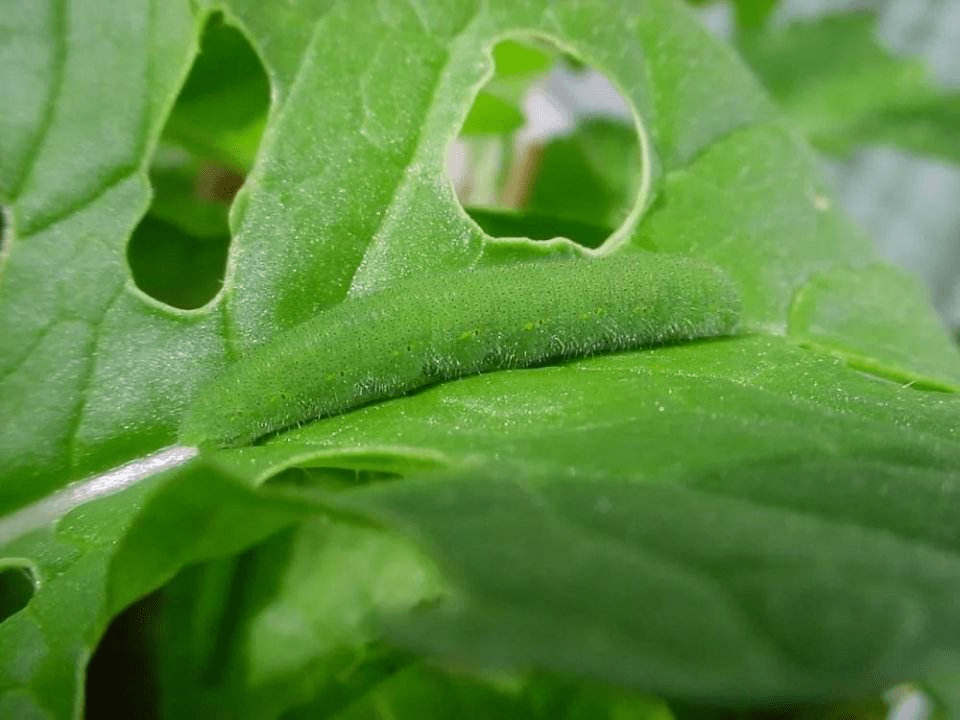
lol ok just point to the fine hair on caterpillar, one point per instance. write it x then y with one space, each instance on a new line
434 328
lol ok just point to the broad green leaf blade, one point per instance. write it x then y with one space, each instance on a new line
64 177
822 314
777 208
639 416
102 555
314 226
30 63
731 522
88 367
197 514
678 589
45 646
767 226
843 89
309 628
346 195
747 234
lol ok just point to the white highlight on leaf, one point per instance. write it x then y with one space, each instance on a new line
53 507
907 703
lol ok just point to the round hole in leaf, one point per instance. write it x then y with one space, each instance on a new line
178 253
548 149
17 586
175 267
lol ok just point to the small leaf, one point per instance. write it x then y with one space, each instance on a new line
310 631
490 114
221 110
512 57
865 333
592 176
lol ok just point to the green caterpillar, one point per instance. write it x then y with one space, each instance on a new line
440 327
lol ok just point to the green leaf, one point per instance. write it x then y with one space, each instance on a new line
844 90
750 14
176 200
100 556
819 316
303 240
76 341
308 629
720 454
593 176
227 75
491 115
732 522
513 58
496 109
634 416
45 645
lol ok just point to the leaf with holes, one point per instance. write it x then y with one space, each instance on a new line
733 521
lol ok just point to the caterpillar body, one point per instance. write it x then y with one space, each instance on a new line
430 329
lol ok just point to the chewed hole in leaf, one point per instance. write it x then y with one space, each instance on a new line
178 253
548 149
17 586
